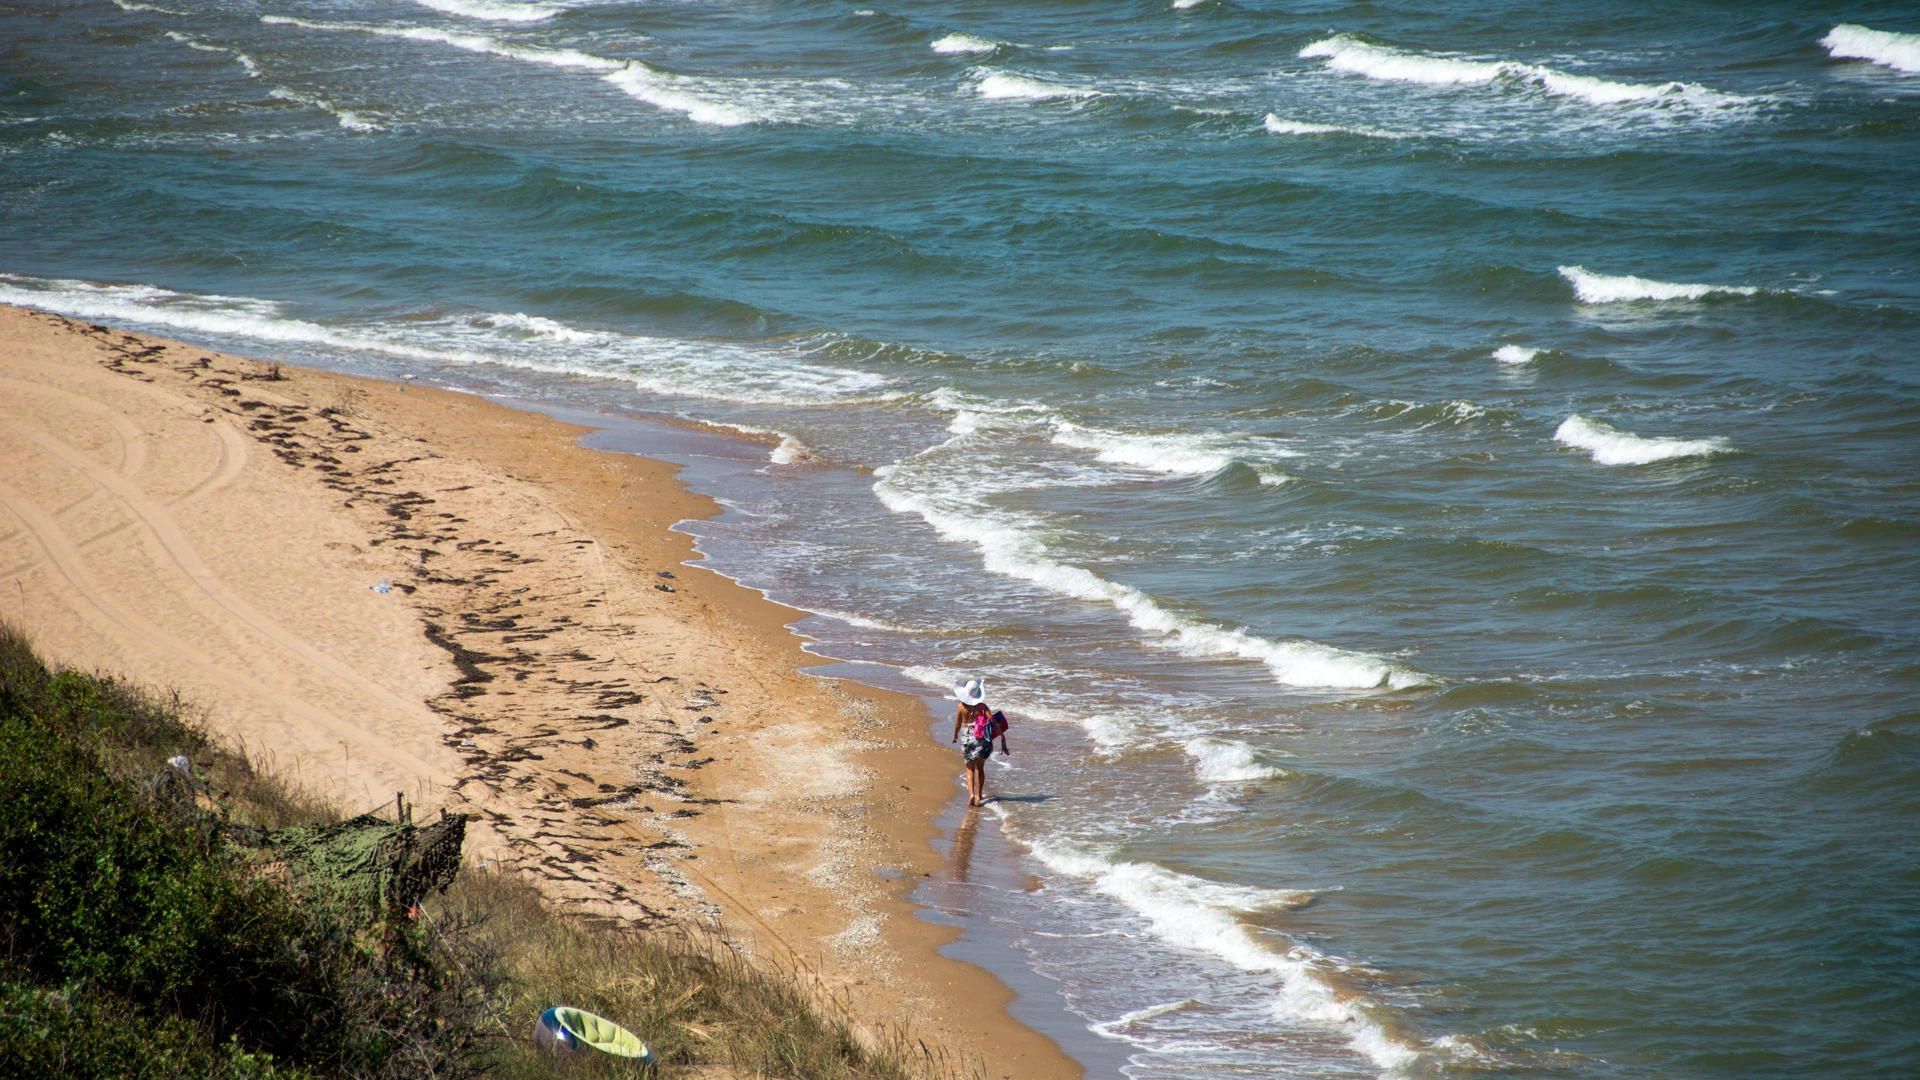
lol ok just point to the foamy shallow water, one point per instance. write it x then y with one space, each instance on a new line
1435 489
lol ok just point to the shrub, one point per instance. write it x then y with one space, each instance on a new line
127 918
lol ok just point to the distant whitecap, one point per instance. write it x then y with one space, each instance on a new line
1849 41
492 10
1278 126
1345 53
1006 86
1608 445
962 44
1592 288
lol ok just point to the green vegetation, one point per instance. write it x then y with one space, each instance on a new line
143 935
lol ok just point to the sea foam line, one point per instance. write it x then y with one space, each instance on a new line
1178 454
347 118
1200 916
245 61
1274 125
1592 288
478 43
1007 86
492 10
1851 41
693 96
714 370
703 100
1010 545
1197 915
1349 54
1608 445
960 44
787 449
1217 761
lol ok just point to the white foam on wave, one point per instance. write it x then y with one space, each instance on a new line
1116 1028
492 10
958 44
1851 41
1006 86
720 102
1182 5
704 101
245 61
787 450
1515 354
1274 125
1198 915
1608 445
1219 762
1178 454
863 621
127 5
714 370
1011 544
1356 57
478 43
1592 288
538 327
1353 56
346 118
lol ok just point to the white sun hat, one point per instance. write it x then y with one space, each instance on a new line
971 692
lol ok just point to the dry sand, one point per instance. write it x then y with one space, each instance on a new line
639 744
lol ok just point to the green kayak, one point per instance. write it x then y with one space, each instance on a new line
577 1030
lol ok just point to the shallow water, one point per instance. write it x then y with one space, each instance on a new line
1435 486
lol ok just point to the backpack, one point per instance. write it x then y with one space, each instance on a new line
988 725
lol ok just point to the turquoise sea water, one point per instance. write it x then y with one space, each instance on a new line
1435 483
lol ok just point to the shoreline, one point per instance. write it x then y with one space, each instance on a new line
204 521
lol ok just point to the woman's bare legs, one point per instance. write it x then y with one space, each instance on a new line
976 783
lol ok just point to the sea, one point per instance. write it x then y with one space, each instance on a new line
1436 486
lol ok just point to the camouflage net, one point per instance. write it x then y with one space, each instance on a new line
388 866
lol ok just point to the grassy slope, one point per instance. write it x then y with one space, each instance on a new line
134 941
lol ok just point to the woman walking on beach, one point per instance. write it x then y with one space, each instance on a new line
980 724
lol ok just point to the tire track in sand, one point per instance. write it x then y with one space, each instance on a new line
64 555
160 525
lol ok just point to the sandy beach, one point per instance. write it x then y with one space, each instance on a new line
389 590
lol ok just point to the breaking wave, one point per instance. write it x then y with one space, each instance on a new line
1592 288
1515 354
1217 762
347 118
1608 445
1006 86
245 61
1011 544
1276 126
1349 54
492 10
1849 41
1199 915
695 97
478 43
963 44
720 102
1180 454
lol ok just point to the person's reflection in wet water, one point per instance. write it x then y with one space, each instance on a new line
963 845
